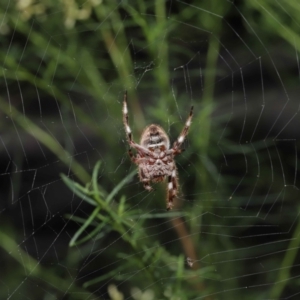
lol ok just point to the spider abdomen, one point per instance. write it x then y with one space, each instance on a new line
154 137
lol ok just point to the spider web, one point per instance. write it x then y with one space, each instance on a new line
234 232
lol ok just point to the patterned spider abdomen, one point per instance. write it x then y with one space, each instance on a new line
159 164
155 138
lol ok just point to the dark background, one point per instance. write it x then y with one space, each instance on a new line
234 232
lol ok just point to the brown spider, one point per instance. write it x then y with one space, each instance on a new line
154 158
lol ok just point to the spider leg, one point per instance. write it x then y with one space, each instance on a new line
130 140
132 157
147 185
125 119
172 189
135 159
145 180
142 150
178 151
183 134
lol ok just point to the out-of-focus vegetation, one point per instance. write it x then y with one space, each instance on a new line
65 67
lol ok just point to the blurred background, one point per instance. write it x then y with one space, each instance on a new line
75 221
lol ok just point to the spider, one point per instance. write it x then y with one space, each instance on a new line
154 157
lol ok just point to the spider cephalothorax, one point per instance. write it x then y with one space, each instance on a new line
154 158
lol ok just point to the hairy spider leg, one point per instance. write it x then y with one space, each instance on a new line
145 180
139 148
125 119
172 189
183 134
132 157
131 142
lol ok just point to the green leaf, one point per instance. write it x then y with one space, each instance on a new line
78 190
84 226
120 185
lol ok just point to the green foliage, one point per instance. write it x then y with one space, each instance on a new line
140 252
